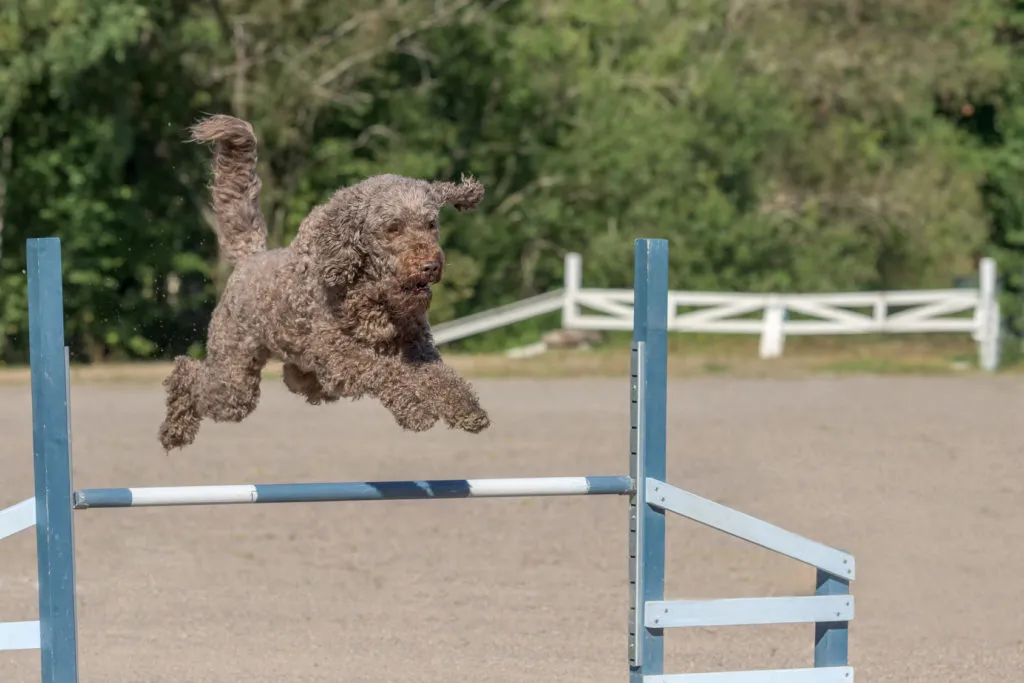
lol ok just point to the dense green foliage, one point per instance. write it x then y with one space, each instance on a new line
795 145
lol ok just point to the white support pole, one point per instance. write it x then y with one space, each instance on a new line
18 518
989 323
803 609
19 635
773 335
572 285
834 674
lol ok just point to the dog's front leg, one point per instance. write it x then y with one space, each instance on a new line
354 371
455 400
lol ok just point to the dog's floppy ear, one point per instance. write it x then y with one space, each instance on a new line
338 262
336 247
464 195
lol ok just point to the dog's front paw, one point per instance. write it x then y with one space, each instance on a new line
474 421
463 411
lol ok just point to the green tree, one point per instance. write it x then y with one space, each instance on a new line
91 122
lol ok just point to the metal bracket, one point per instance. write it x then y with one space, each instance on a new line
636 500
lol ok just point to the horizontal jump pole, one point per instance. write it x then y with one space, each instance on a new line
85 499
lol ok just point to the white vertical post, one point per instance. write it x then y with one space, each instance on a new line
773 335
989 324
573 283
880 311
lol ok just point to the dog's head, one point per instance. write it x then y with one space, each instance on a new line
382 236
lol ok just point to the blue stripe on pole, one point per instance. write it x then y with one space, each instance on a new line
362 490
102 498
52 463
650 326
610 485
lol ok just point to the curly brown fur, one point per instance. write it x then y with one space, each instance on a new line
344 305
241 229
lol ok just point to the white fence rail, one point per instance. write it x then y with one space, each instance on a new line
973 311
498 317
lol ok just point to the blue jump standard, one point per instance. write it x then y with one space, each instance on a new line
352 491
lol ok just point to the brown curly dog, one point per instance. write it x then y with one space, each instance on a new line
344 306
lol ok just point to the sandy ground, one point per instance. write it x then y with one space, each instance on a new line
920 478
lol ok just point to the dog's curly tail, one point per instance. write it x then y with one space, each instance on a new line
241 228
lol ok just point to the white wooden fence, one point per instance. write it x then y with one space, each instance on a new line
772 316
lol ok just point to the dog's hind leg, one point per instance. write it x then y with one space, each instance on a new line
181 423
220 388
229 386
224 387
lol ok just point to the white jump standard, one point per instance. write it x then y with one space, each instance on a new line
55 634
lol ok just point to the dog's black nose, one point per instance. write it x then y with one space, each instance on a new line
431 268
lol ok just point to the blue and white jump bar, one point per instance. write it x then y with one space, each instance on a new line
352 491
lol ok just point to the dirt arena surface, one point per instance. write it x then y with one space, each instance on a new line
919 477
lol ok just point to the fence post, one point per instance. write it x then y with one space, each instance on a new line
573 283
988 301
648 418
773 335
52 463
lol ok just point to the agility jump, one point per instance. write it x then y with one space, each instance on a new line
55 632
